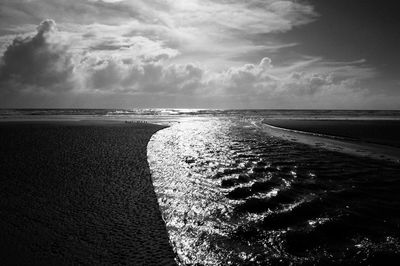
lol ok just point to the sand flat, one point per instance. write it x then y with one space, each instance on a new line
384 131
315 136
79 193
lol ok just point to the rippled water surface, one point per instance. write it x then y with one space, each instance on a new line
231 194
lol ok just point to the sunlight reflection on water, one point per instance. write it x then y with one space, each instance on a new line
230 194
191 150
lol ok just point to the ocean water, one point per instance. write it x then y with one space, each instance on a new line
173 114
230 194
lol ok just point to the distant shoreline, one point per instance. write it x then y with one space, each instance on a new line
312 132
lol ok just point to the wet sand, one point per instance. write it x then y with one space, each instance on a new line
79 193
386 132
373 139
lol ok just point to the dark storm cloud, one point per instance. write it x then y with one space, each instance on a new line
40 60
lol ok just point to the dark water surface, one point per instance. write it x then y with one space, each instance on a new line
231 194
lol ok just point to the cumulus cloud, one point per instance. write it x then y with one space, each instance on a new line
138 67
141 77
47 62
306 84
213 30
41 60
247 79
263 84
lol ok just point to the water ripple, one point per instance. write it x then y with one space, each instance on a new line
229 193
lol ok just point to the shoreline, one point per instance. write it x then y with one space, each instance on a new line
79 192
384 132
71 121
334 143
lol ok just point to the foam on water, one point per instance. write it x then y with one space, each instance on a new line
229 193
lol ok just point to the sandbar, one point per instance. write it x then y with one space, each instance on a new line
79 192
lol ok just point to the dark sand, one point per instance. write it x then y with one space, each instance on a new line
373 139
386 132
79 193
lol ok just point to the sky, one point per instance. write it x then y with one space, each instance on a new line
268 54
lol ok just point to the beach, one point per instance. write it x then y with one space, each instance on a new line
377 139
79 192
205 190
384 132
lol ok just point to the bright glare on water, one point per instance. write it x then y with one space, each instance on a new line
231 194
193 206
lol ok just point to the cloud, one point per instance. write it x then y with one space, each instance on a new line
141 77
140 67
215 31
307 85
199 51
48 62
75 11
41 60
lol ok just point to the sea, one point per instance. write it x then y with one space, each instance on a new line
230 194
